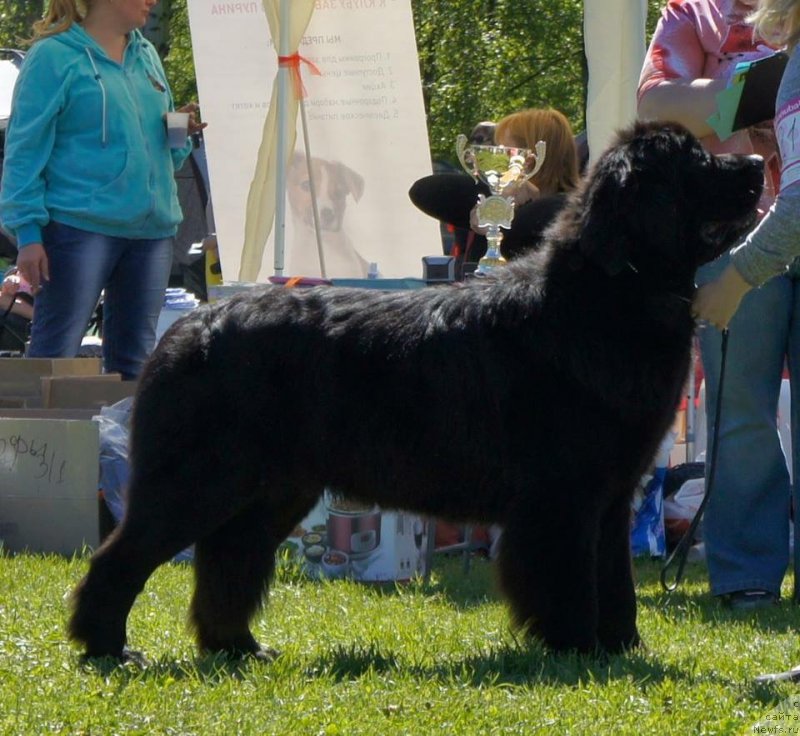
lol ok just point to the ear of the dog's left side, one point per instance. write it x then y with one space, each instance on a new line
353 181
602 240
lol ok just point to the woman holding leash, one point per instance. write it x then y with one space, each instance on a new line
695 48
88 184
773 245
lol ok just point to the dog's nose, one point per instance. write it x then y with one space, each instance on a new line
328 216
756 159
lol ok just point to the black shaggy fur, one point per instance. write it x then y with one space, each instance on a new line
535 400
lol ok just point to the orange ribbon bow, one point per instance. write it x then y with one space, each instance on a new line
293 63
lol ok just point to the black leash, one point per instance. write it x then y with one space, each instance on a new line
681 552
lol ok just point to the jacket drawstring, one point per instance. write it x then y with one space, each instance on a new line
99 79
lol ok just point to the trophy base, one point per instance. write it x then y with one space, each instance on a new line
489 263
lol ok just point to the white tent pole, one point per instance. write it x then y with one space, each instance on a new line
614 40
282 135
312 189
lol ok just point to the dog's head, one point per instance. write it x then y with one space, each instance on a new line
657 200
333 183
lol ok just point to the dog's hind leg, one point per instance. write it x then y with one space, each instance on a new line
616 629
233 567
547 573
117 573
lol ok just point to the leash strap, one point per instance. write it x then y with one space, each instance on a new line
4 326
681 552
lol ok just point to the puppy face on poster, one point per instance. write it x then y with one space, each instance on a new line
337 188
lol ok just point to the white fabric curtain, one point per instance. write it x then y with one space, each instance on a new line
614 33
261 200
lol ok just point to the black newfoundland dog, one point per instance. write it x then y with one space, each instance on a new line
535 399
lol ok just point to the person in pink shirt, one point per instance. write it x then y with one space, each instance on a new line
693 52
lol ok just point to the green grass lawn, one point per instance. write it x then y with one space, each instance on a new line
435 658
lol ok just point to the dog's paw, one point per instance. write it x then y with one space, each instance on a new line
266 654
104 662
623 645
132 657
259 653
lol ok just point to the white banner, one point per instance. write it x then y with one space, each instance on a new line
614 32
366 127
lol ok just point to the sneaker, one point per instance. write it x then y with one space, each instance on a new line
747 600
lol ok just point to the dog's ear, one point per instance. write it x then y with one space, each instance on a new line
354 182
604 239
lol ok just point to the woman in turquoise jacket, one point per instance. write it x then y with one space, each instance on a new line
88 184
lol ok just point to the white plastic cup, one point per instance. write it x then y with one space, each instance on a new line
177 129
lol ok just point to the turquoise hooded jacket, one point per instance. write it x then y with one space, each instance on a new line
86 144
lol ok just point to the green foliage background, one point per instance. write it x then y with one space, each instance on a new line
496 57
479 59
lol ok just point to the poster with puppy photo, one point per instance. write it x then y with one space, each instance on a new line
366 132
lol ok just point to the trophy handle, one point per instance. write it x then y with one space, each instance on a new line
461 150
541 150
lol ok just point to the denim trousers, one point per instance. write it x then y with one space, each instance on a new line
132 275
746 522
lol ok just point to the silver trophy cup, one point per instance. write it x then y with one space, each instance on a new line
498 167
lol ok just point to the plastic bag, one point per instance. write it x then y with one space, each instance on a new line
681 507
114 470
114 467
647 526
647 529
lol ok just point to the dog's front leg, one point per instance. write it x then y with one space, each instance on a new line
616 630
547 571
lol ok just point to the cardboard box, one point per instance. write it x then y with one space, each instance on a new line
368 544
22 377
26 413
84 392
12 402
49 470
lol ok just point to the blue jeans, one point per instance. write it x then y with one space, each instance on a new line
134 275
746 523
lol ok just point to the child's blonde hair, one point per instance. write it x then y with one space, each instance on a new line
778 22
